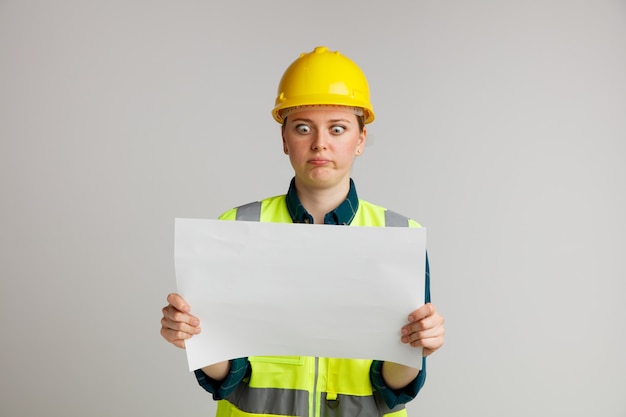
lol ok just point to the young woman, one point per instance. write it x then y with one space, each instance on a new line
323 106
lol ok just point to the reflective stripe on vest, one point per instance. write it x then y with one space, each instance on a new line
291 402
250 212
277 401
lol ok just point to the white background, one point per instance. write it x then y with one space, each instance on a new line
500 127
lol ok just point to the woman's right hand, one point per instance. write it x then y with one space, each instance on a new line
177 325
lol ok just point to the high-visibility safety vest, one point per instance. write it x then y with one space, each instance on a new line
274 209
308 386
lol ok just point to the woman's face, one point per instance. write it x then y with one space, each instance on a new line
322 144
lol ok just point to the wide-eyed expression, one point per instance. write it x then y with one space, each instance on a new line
322 144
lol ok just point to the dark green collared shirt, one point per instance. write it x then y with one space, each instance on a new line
342 214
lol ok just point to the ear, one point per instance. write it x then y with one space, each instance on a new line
361 142
285 149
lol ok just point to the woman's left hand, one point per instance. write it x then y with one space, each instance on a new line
425 329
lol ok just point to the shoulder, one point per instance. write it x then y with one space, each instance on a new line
254 208
370 214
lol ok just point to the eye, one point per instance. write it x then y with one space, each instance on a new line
304 129
337 130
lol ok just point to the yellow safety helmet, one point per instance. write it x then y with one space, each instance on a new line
323 77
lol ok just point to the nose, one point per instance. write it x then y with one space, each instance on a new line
320 142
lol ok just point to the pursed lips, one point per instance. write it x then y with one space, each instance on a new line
318 161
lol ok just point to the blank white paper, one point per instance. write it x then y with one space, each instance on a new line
274 289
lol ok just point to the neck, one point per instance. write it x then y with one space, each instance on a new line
319 201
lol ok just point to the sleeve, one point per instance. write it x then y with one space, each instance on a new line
239 368
402 396
393 397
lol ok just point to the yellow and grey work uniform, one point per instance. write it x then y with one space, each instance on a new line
312 386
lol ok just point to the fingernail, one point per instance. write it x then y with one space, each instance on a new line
404 331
